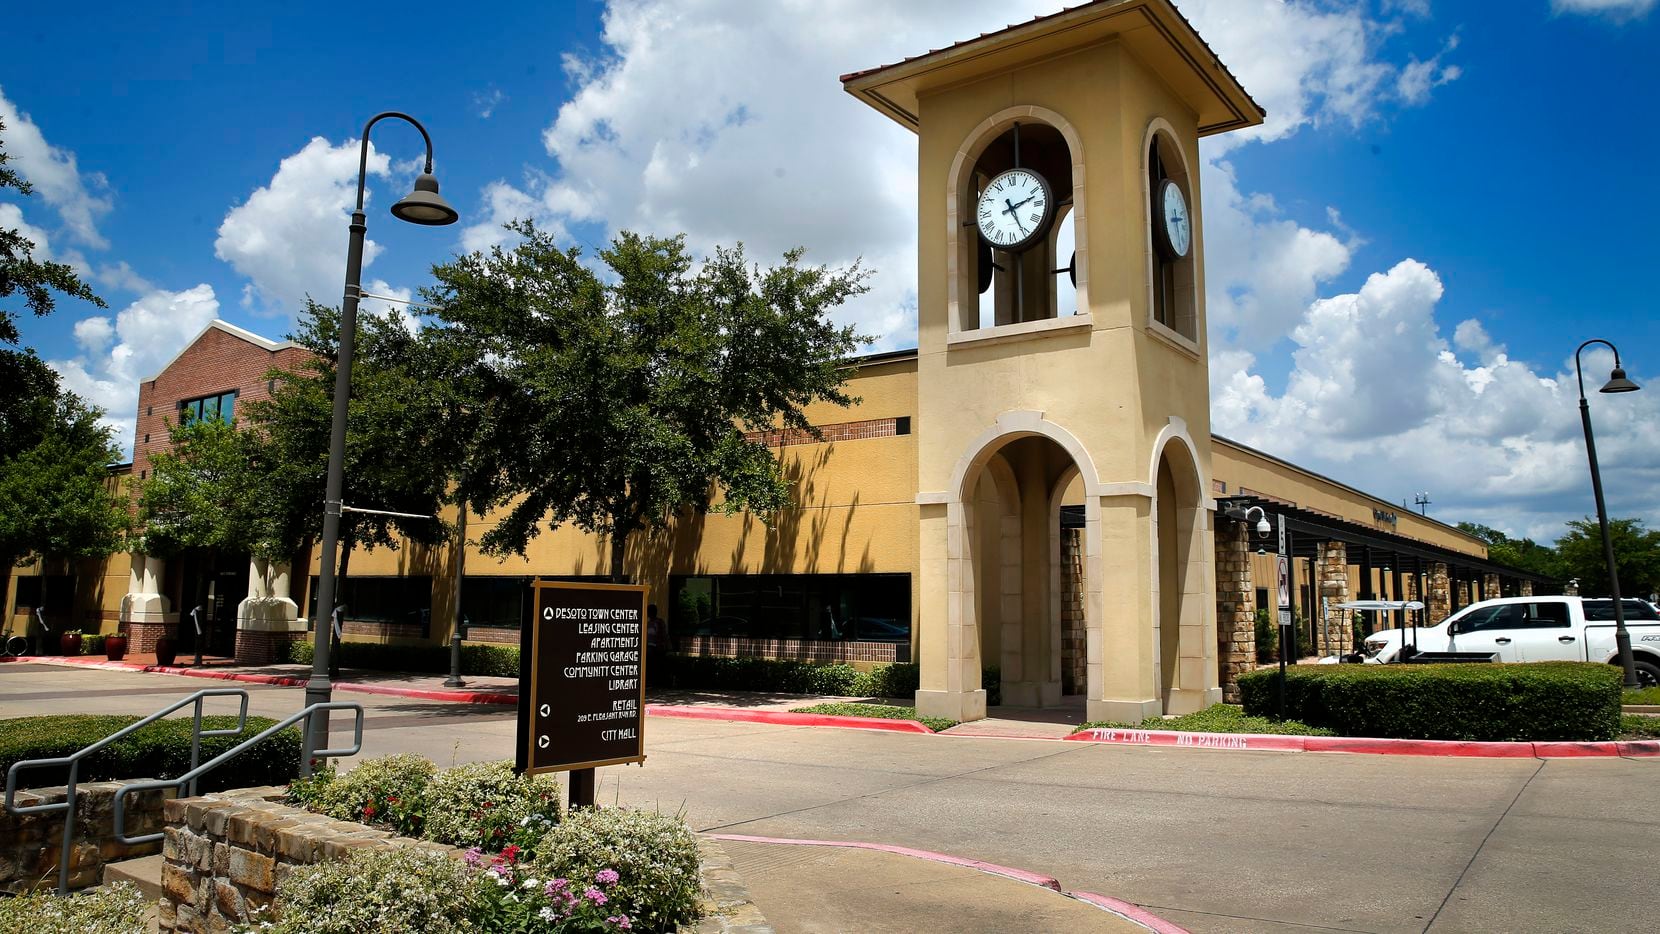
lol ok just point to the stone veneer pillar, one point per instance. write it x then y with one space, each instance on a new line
145 614
268 619
1490 587
1439 605
1074 631
1526 588
1236 609
1337 634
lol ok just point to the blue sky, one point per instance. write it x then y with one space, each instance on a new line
1399 264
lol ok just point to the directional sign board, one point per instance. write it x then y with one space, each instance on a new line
583 678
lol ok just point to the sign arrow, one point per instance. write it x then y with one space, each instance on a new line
546 710
542 741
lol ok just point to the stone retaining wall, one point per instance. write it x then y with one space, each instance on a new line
226 854
31 844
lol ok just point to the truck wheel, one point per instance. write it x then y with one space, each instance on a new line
1648 673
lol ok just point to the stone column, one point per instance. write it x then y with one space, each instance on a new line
1526 588
146 615
1336 635
1074 632
1490 586
1123 660
1236 599
948 619
269 618
1439 605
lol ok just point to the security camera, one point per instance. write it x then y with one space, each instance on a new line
1263 528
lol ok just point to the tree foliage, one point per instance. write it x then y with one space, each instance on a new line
614 398
56 495
1523 553
1636 555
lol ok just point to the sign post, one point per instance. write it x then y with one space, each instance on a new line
1282 565
582 693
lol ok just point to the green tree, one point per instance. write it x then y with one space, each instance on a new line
1523 553
1636 555
614 399
56 495
204 493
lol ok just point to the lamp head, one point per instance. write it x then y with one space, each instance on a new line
1618 383
424 206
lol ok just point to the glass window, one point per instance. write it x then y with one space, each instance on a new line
406 600
52 592
221 406
1549 615
498 602
821 607
1602 611
1503 616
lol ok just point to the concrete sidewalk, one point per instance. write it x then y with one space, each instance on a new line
829 890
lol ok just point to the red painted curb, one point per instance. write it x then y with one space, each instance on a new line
1368 745
459 697
1129 912
1418 747
1018 875
1133 737
786 718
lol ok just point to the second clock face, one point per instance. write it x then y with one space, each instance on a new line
1013 209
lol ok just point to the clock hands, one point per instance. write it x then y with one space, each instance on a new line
1010 211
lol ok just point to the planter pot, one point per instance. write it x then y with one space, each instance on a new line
167 651
115 648
70 644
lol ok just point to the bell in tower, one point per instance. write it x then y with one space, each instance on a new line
1063 416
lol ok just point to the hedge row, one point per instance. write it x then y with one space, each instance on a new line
1540 701
476 659
160 750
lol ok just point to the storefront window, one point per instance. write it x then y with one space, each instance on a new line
405 600
819 607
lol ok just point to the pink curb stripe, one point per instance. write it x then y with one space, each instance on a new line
460 697
1369 746
1129 912
1018 875
786 718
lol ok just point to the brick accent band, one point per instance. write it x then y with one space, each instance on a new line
841 431
803 650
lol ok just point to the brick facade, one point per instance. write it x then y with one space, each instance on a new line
1236 607
840 431
263 647
143 636
803 650
222 358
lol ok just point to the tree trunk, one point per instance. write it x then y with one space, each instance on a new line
619 545
339 592
6 605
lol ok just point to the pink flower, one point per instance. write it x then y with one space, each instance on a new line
473 857
621 921
606 877
555 887
595 895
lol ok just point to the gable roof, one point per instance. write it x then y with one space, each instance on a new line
262 343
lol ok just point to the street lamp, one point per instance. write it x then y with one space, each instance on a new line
1616 383
421 206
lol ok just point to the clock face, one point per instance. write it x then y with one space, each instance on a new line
1175 224
1014 209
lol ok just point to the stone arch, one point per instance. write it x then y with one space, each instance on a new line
1184 613
1187 330
959 247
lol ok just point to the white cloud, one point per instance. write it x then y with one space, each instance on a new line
144 336
11 218
486 102
399 309
1617 10
1377 397
80 200
289 237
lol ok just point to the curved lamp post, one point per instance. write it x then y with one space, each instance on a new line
1616 383
421 206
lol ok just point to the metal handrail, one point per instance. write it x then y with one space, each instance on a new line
67 805
307 754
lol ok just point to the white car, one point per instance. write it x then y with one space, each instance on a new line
1535 629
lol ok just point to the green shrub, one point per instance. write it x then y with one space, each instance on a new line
1267 638
476 659
390 791
92 645
487 805
1641 696
654 855
392 889
116 908
1540 701
1639 726
897 680
160 750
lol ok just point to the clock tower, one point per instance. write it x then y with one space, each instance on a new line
1062 376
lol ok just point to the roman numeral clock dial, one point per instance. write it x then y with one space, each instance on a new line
1014 209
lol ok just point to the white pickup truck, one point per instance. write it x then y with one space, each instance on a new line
1535 629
